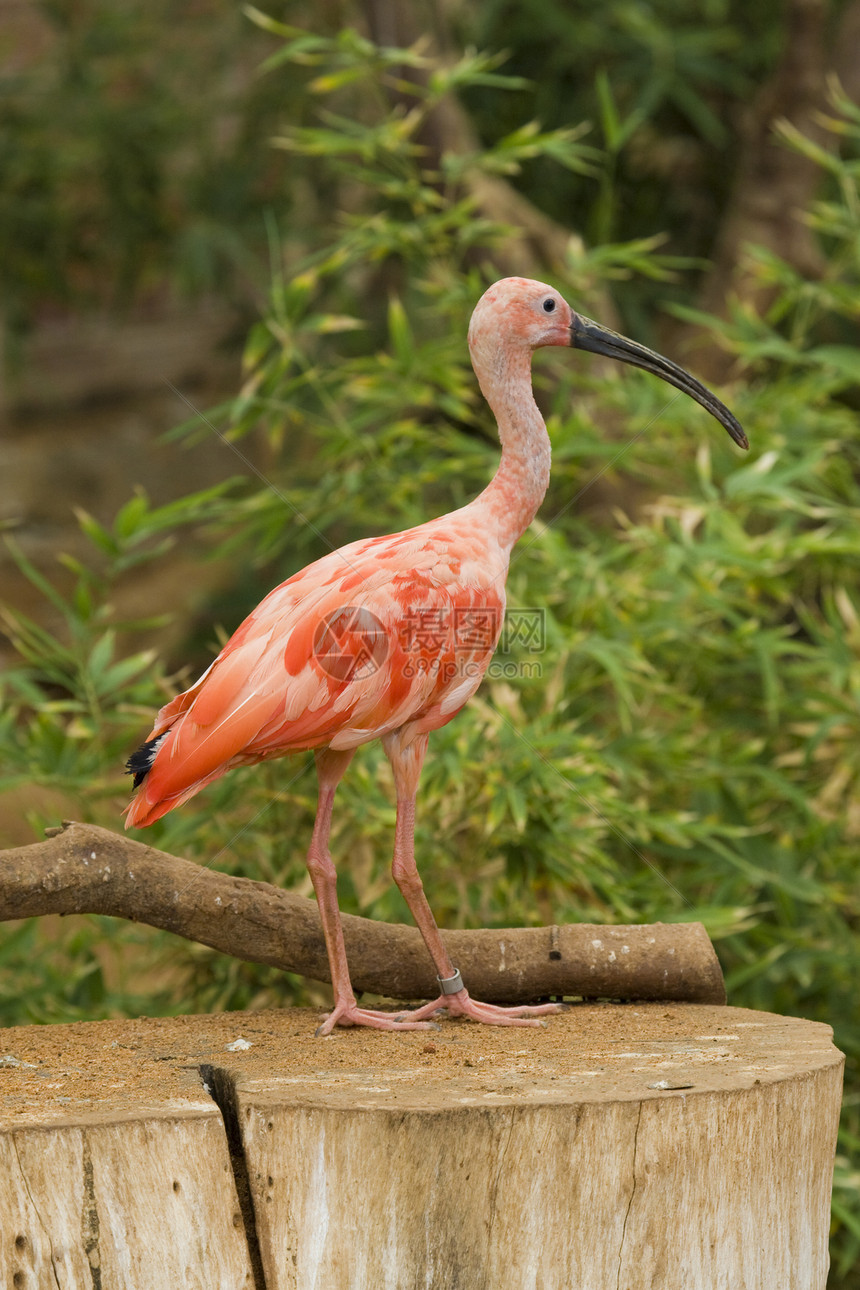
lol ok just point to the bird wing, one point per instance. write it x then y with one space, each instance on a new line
334 656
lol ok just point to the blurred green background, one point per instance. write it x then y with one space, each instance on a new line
219 225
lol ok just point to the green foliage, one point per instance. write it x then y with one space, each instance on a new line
670 79
126 155
68 711
684 744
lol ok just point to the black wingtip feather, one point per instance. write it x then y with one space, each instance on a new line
140 762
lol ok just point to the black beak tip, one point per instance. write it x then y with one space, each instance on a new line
597 339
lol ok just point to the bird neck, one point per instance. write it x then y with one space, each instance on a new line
514 494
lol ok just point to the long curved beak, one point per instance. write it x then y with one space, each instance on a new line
591 336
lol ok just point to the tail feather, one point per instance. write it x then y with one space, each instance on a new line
157 788
140 762
141 811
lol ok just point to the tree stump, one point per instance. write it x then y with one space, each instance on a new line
680 1147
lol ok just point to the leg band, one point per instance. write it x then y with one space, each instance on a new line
451 984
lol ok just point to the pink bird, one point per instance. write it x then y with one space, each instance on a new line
388 638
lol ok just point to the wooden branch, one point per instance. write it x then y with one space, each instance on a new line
81 869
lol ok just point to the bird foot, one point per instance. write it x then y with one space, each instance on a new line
490 1014
349 1014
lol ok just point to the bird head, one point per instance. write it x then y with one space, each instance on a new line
516 316
522 314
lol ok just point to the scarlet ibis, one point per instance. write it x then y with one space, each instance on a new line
387 638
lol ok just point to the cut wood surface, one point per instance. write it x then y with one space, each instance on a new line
85 869
680 1147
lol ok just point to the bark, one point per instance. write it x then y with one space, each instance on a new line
83 869
676 1148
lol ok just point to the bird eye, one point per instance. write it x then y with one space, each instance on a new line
548 305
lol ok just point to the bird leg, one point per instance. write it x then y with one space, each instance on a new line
330 769
406 764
